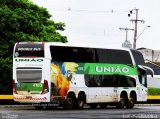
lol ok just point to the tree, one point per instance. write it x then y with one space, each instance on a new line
21 20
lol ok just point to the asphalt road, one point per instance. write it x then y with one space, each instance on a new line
27 112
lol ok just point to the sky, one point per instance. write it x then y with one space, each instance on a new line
97 22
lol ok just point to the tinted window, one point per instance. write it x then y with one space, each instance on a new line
138 57
29 50
29 75
92 80
90 55
109 81
72 54
142 74
126 81
113 56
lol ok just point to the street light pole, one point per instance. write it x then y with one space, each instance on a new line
142 32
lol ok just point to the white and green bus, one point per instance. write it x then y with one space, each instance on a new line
71 75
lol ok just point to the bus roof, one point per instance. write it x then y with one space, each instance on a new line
83 45
68 44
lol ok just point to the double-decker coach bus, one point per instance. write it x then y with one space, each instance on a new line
71 76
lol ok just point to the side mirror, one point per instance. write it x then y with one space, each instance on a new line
148 70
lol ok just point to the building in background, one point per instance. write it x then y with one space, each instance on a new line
149 54
152 60
127 44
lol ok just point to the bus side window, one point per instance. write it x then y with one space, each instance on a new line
92 80
144 81
131 81
142 77
105 81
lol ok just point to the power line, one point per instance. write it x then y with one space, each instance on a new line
90 11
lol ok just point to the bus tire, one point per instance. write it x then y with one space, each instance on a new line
121 104
70 102
81 101
130 103
93 105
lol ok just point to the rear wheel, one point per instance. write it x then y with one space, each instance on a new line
70 102
121 103
81 101
130 103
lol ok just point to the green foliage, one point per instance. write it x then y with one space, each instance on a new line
21 20
153 91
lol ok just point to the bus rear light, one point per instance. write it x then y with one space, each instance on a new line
14 87
45 87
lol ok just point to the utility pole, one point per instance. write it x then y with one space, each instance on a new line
126 30
135 29
126 43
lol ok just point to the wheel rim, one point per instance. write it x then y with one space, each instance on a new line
81 101
69 103
122 103
131 102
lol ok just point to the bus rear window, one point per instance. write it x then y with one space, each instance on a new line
29 75
29 50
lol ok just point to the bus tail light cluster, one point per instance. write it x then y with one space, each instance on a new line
45 87
14 87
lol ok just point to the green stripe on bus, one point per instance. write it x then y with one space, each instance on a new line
29 86
103 69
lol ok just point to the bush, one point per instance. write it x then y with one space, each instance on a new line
153 91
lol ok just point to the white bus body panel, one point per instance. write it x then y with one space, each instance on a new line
28 96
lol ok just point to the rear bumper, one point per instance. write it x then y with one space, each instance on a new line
31 98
